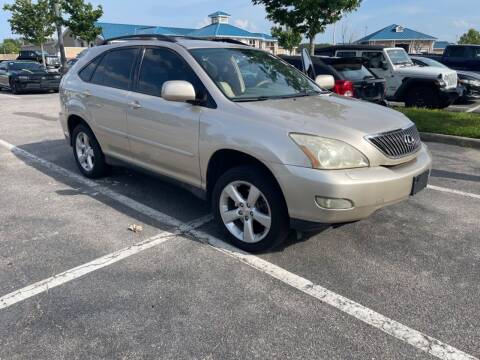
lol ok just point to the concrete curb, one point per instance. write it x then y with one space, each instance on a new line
451 140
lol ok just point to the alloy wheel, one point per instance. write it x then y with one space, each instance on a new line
245 212
85 153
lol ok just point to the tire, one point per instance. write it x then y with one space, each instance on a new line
239 219
423 96
87 152
14 87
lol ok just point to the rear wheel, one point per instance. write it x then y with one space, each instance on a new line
423 96
87 152
250 207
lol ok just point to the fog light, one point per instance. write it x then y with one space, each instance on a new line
333 204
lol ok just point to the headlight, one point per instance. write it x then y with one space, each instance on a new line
57 77
23 78
471 82
329 154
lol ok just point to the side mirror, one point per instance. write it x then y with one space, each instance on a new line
384 65
325 81
178 90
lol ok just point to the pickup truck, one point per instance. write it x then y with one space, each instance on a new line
460 57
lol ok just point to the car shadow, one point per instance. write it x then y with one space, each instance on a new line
161 195
35 115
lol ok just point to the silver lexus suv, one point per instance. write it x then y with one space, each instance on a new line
270 148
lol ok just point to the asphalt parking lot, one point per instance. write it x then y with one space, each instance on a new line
75 283
471 106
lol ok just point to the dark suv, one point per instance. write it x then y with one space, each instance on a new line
352 78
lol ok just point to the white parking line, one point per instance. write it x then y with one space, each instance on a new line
82 270
404 333
473 109
453 191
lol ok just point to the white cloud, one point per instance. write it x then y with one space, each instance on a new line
205 22
461 23
245 24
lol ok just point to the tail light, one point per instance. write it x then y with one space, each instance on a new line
344 88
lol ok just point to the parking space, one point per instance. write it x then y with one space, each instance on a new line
76 283
472 106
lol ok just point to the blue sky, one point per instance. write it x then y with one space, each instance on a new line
444 19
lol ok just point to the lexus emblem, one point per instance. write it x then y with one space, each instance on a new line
409 140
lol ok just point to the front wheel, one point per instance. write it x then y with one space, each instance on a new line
249 206
14 87
423 96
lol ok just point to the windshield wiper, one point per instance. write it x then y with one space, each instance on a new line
247 99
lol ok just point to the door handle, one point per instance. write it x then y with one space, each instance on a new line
135 105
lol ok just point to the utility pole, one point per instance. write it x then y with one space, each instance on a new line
334 31
61 46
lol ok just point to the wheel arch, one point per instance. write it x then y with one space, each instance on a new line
73 121
225 159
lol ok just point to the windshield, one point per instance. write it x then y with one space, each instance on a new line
25 66
249 75
353 71
399 57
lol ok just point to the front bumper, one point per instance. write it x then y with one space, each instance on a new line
369 189
40 85
450 95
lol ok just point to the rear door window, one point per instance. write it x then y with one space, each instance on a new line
115 68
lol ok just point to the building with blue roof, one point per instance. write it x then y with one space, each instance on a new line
219 28
398 36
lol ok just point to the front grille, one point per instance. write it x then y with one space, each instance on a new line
397 143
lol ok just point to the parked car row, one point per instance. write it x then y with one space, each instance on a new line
470 81
405 82
351 77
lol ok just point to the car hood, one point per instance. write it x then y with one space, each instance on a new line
327 115
423 71
468 74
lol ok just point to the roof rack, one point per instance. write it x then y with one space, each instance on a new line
141 37
172 39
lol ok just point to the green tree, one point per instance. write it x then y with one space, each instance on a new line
308 17
11 46
472 36
81 19
287 38
33 21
